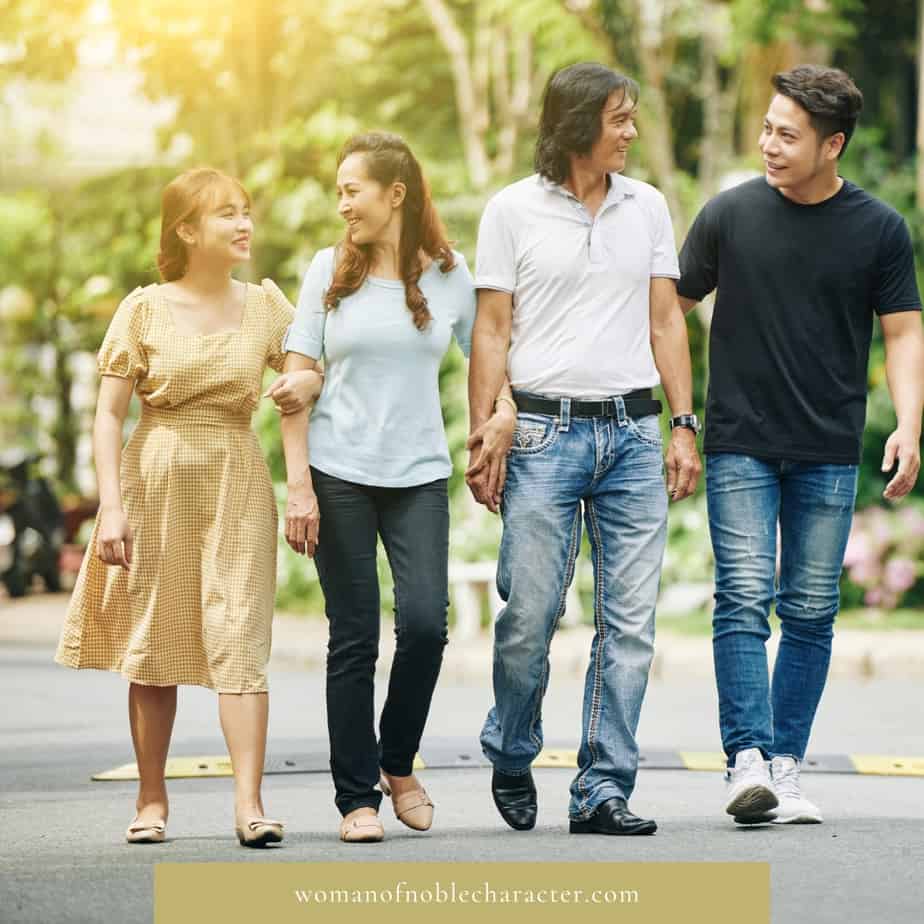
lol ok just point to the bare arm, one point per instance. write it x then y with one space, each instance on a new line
114 536
491 422
303 518
904 345
687 304
671 351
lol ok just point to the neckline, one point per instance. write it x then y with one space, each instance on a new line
845 183
217 333
395 283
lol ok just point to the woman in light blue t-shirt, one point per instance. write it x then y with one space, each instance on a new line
379 310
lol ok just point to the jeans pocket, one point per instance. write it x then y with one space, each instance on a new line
646 430
533 434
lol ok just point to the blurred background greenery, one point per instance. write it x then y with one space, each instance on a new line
103 101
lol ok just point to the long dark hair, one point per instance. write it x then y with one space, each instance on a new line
388 160
571 114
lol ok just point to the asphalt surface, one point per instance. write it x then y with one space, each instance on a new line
63 858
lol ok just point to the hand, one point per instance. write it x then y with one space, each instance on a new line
905 447
114 539
303 518
294 391
488 446
682 463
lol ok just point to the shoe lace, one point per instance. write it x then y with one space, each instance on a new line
787 783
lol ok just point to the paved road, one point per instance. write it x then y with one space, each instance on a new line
62 858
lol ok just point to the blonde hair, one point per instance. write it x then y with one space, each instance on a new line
185 199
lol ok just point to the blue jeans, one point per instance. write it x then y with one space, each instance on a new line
813 505
614 467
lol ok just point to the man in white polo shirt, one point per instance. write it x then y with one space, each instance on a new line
577 305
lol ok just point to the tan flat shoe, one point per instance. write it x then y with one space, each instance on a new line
414 808
153 833
362 829
259 832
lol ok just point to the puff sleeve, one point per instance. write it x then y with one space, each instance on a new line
281 314
123 353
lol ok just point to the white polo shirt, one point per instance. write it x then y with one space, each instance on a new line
580 284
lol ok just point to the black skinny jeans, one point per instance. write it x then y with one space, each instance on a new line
414 526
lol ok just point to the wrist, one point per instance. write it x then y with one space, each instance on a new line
506 406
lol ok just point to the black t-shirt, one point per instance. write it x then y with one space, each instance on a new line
797 288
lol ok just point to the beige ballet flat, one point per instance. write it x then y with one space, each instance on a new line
153 833
259 832
363 829
414 808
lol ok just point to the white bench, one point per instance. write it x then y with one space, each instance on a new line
469 582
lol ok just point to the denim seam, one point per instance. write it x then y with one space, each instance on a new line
562 602
600 625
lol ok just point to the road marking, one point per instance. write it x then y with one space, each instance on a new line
880 765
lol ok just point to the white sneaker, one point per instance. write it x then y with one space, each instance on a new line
750 797
794 808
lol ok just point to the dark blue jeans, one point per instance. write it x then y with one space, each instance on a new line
813 505
414 525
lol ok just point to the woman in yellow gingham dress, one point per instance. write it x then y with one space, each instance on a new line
178 582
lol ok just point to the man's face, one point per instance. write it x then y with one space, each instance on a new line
793 153
608 153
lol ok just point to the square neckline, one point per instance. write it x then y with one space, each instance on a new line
218 333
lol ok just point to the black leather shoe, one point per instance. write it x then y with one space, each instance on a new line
613 817
515 798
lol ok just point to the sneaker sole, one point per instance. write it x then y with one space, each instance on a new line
755 801
798 820
764 819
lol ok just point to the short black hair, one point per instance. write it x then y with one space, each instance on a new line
571 106
831 99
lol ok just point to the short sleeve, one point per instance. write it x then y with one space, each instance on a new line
664 248
122 352
896 288
465 317
495 258
306 335
699 258
281 313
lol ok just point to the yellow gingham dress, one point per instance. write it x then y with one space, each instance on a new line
197 604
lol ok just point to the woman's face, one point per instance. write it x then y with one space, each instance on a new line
224 231
372 211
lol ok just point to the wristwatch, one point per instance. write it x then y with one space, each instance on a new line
690 421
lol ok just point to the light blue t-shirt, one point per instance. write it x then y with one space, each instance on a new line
378 420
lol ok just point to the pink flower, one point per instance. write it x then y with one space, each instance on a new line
900 575
913 520
873 597
859 548
865 572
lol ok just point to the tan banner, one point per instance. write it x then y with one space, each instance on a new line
475 893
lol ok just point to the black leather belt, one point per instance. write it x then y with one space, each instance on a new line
638 404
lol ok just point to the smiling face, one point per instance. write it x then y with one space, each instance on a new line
371 210
608 153
796 159
224 230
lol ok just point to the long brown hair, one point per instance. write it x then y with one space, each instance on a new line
388 159
184 199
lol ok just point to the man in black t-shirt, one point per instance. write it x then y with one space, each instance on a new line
802 259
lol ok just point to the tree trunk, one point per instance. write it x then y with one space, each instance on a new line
456 46
659 140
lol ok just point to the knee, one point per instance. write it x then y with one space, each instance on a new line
807 617
422 625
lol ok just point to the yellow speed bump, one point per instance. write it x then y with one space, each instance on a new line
556 757
703 760
177 768
190 767
884 765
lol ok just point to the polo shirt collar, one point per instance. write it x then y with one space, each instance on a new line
619 189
